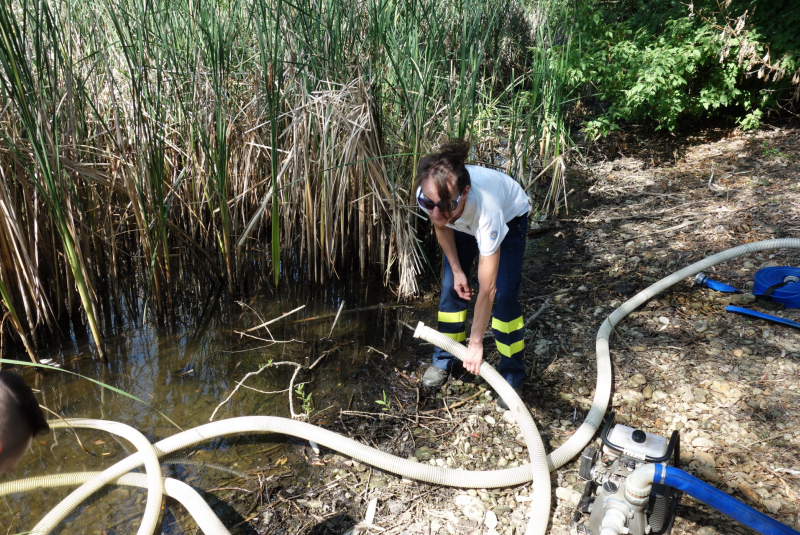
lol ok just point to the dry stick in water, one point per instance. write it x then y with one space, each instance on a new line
276 319
353 311
70 427
336 320
261 369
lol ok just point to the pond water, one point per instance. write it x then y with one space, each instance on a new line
187 372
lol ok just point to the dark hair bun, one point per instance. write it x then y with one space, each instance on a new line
457 149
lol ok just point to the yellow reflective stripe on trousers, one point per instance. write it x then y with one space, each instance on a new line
504 326
507 351
453 317
458 337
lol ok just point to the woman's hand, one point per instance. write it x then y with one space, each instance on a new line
461 285
472 362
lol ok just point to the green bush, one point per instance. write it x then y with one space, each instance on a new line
667 62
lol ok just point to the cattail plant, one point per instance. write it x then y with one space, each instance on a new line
147 141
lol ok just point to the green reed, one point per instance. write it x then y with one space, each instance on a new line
154 129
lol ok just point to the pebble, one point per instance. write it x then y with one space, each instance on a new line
704 458
568 495
701 326
474 511
490 521
773 506
490 420
424 453
509 418
396 507
462 500
742 299
637 380
702 442
663 321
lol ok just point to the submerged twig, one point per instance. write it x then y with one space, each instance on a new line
353 311
276 319
261 369
70 427
336 320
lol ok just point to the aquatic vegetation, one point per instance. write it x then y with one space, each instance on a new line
144 140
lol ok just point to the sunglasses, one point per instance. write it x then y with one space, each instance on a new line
429 205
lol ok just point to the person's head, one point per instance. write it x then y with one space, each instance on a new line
442 178
21 419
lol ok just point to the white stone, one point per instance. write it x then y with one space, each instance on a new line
773 506
491 520
474 512
702 442
489 420
568 495
462 500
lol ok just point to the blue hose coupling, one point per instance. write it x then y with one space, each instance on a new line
703 279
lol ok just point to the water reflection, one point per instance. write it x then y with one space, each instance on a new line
185 369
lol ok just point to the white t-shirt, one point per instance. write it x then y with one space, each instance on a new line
493 200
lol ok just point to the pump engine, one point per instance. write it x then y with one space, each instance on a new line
606 473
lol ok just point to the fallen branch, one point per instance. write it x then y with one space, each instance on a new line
276 319
336 320
353 311
459 403
261 369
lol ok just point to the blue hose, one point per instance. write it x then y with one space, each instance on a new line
762 316
702 278
720 501
784 283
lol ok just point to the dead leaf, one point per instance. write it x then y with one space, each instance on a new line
749 493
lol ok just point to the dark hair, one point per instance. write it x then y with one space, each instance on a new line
444 165
21 404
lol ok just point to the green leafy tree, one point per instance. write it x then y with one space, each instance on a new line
666 61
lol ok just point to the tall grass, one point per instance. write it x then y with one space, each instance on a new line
139 134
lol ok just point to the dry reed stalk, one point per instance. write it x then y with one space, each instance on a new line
161 144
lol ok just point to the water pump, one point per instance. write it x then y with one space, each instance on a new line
611 505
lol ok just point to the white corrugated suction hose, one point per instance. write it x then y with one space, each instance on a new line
149 458
602 395
539 470
436 475
194 504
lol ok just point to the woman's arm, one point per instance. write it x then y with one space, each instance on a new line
447 241
487 278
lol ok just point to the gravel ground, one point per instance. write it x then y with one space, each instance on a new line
725 382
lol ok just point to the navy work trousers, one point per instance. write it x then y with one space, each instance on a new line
507 322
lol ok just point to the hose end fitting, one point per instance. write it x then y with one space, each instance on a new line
639 485
700 278
418 330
